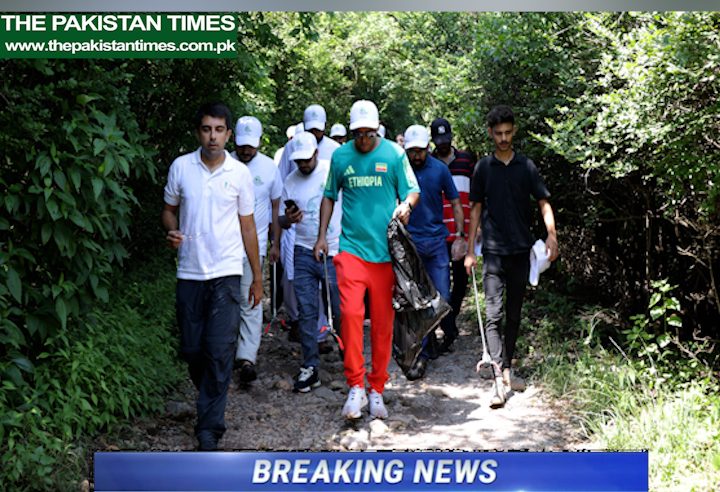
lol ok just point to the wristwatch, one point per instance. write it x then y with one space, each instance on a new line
459 234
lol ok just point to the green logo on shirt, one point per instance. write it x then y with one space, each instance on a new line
258 181
349 171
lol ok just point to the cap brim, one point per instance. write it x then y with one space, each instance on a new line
245 140
301 155
365 123
315 124
442 139
416 144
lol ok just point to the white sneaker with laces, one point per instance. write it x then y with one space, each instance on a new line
377 405
356 401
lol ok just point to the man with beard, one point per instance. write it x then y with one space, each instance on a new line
426 225
461 164
268 188
502 185
314 120
302 196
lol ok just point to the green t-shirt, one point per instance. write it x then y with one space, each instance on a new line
371 185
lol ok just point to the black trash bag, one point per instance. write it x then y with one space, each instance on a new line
419 307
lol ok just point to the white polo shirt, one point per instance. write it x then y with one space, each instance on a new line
210 206
307 192
268 187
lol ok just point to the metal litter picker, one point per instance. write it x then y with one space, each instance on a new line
274 321
486 360
330 327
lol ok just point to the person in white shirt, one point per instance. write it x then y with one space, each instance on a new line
268 188
289 133
300 205
208 216
314 119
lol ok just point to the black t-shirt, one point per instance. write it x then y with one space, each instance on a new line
504 192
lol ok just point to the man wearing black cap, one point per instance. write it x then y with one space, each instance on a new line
461 164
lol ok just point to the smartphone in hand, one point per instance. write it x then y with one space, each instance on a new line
290 204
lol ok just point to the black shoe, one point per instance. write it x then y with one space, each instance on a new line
247 372
207 442
307 379
325 347
446 347
432 349
294 331
418 370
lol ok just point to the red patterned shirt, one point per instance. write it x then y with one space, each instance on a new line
461 169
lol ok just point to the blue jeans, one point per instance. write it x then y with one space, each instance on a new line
310 273
435 258
208 314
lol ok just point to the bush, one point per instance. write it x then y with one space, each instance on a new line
116 365
639 390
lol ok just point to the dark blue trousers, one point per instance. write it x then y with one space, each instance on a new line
208 314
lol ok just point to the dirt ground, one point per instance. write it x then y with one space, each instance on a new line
448 409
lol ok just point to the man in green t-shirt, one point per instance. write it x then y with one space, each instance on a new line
373 174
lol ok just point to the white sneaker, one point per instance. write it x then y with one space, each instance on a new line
377 405
356 401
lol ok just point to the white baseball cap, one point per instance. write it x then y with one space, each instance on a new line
364 114
290 132
539 261
299 128
416 136
314 117
303 146
248 131
338 130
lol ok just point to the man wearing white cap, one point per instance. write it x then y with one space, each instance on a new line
338 133
268 188
314 119
427 227
500 192
302 195
371 173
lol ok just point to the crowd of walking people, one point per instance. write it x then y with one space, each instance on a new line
318 211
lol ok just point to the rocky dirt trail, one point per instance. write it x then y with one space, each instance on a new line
448 409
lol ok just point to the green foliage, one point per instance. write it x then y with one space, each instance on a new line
641 392
70 145
117 365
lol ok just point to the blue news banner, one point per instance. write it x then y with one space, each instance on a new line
375 471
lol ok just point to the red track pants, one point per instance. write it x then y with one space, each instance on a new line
354 275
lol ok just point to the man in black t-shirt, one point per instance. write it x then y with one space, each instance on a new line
500 192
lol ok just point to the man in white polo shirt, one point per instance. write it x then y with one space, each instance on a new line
302 195
268 188
213 195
